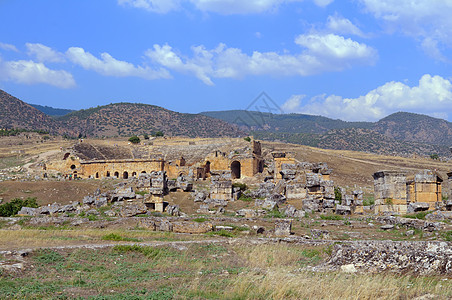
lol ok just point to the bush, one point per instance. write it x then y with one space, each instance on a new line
158 133
331 217
134 139
338 194
12 208
242 186
248 139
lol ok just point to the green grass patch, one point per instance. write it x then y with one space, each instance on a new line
420 215
48 256
221 232
245 198
331 217
200 220
447 236
117 237
151 252
275 214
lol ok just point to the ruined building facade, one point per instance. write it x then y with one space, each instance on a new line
395 192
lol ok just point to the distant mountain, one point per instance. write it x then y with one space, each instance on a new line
416 128
15 113
51 111
288 123
355 139
400 132
125 119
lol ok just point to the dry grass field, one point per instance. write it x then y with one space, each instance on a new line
115 258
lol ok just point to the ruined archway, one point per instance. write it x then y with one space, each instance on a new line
116 174
235 170
207 167
134 174
97 174
125 175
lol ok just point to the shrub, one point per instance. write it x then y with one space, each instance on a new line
242 186
159 133
134 139
12 208
420 215
338 194
248 139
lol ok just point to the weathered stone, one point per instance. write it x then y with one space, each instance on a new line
110 213
417 206
283 227
387 227
422 258
101 202
200 196
251 213
147 223
165 225
349 268
173 210
28 211
130 210
203 209
88 200
92 212
343 210
266 204
319 234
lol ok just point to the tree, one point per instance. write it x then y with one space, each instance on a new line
134 139
159 133
434 156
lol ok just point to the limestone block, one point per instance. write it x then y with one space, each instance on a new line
283 227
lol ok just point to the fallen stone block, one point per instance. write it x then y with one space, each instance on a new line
283 227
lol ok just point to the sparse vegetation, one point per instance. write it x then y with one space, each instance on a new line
12 208
134 139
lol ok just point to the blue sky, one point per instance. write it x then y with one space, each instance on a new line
356 60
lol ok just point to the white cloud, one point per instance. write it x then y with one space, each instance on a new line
338 24
424 19
433 96
44 53
29 72
8 47
322 53
293 103
110 66
225 7
157 6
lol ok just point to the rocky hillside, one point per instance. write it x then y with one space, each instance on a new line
15 113
416 128
356 139
125 119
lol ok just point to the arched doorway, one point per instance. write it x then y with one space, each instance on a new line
108 174
235 170
125 175
143 172
134 174
117 174
261 166
207 167
97 174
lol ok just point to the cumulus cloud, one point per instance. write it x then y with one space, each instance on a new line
44 53
322 53
433 95
217 6
157 6
29 72
8 47
428 20
341 25
109 66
